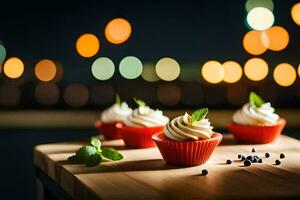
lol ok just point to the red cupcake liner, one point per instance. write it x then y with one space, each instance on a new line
138 137
186 153
256 134
109 130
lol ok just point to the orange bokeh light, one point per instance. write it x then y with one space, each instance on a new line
278 38
45 70
13 67
118 31
87 45
253 43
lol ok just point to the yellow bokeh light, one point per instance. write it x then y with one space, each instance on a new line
87 45
232 72
256 69
213 72
278 38
299 70
253 43
260 18
167 69
117 31
13 67
284 74
295 13
45 70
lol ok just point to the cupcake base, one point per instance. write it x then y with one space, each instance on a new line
138 137
256 134
186 153
109 130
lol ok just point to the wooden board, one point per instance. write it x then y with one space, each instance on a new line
144 175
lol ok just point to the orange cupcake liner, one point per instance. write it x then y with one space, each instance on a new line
186 153
138 137
109 130
256 134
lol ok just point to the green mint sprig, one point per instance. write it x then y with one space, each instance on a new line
255 100
139 102
118 100
91 155
199 115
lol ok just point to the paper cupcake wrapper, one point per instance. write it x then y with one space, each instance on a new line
138 137
109 130
186 153
256 134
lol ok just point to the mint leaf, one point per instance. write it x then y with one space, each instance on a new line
111 154
139 102
96 143
118 100
93 160
84 152
256 100
199 115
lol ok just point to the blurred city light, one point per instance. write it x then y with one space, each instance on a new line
260 18
284 74
278 38
2 53
45 70
256 69
13 67
169 94
130 67
149 73
117 31
76 95
232 72
213 72
299 70
47 93
253 43
167 69
87 45
295 13
250 4
103 68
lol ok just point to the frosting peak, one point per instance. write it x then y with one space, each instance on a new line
116 113
180 129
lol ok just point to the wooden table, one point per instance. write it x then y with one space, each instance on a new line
142 174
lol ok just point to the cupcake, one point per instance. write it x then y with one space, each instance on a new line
117 113
188 140
256 122
141 124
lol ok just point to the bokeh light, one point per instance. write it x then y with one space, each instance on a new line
169 94
284 74
13 67
59 72
10 95
253 43
295 13
232 72
103 68
278 38
299 70
190 72
2 53
45 70
117 31
102 94
130 67
260 18
167 69
256 69
87 45
76 95
149 73
47 93
250 4
213 72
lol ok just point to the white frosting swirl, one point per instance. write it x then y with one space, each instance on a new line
252 115
180 129
144 116
116 113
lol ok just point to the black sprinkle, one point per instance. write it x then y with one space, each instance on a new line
254 160
253 150
249 158
282 156
243 158
204 172
256 157
229 162
247 162
277 162
267 155
260 160
239 156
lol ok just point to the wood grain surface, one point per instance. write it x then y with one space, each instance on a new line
142 174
